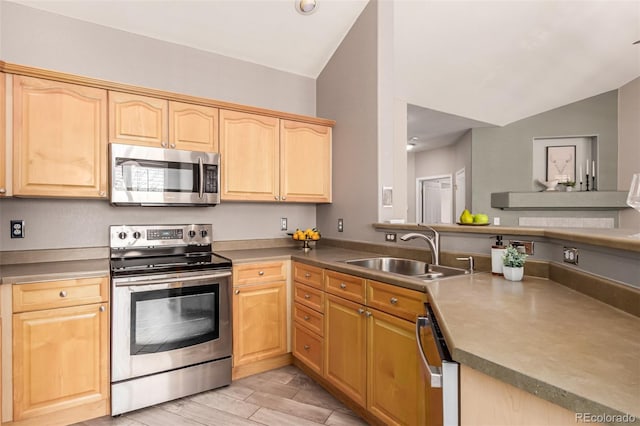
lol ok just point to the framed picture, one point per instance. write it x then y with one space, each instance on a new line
561 163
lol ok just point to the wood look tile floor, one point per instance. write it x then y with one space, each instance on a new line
282 397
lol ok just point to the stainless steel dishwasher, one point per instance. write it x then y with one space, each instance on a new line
441 371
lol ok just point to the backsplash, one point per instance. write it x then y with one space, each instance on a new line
568 222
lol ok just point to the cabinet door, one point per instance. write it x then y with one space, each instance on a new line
60 360
249 156
259 322
60 139
345 347
395 388
305 162
138 120
3 170
193 127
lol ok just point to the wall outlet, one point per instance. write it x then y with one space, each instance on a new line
570 255
340 225
390 237
496 221
17 228
283 224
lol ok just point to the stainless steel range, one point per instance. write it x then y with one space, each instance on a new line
171 314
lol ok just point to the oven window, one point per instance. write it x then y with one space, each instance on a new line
162 320
155 176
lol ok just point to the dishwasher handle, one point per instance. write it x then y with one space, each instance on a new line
435 373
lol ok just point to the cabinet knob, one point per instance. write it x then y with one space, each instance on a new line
284 198
3 191
343 285
307 318
63 293
102 193
102 308
307 347
237 291
276 197
164 144
173 145
368 314
260 273
360 311
393 300
307 275
307 296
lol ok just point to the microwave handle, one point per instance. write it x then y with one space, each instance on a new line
201 178
435 375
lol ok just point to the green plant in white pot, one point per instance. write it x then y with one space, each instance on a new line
513 264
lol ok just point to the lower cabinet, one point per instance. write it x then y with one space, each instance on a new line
308 316
60 351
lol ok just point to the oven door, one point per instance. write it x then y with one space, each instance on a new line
156 176
164 322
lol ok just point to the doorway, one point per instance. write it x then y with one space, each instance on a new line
461 192
434 199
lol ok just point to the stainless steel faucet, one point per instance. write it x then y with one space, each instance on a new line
433 241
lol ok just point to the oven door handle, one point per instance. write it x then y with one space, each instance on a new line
435 373
145 281
201 178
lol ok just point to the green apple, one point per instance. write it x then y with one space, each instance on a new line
480 218
466 217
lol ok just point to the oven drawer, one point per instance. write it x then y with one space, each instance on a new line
307 347
309 296
344 285
309 318
58 294
307 274
258 272
398 301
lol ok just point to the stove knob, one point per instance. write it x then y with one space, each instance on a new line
122 235
203 233
192 233
136 235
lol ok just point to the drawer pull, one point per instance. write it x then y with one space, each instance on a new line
307 318
307 275
368 314
102 308
360 311
393 301
307 296
63 293
261 273
237 291
307 347
343 285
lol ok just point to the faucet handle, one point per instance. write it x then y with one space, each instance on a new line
470 260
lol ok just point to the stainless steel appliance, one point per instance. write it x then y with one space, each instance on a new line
171 314
441 371
146 176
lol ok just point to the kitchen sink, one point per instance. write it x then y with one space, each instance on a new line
407 267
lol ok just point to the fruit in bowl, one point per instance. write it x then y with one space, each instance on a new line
308 234
467 218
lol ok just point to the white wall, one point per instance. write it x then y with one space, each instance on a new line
628 145
45 40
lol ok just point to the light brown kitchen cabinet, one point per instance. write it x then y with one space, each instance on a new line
308 316
305 162
269 159
59 139
193 127
345 356
259 312
61 352
3 141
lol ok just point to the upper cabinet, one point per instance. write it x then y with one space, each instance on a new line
270 159
144 120
59 139
3 121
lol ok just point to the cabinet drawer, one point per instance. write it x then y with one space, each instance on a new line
398 301
307 274
309 296
343 285
258 272
309 318
308 347
58 294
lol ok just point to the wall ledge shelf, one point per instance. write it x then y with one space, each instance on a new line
560 200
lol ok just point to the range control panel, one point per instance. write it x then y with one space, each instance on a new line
130 236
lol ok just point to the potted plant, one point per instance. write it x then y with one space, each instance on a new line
513 264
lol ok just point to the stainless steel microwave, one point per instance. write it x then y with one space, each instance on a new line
146 176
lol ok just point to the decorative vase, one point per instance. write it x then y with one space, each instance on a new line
513 274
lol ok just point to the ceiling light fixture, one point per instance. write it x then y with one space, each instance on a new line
306 7
636 42
410 146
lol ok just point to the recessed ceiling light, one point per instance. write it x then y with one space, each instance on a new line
306 7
